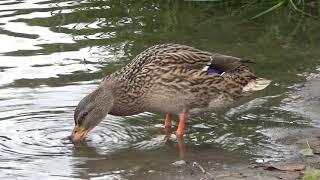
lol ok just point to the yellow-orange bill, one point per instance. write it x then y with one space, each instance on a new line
78 134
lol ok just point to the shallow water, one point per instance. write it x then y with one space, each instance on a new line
55 52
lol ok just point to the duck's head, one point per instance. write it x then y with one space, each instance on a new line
90 111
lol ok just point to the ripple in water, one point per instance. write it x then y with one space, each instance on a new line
36 130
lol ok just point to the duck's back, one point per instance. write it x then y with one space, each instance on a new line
173 78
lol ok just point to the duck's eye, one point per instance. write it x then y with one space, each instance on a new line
84 114
82 118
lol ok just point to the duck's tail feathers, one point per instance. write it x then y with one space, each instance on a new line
256 85
245 60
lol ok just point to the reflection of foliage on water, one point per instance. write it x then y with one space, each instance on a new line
308 8
125 28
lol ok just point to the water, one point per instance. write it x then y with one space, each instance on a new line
55 52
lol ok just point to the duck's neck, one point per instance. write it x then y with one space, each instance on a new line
125 101
104 96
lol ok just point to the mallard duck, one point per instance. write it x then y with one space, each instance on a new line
172 79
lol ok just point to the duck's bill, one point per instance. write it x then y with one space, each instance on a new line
78 134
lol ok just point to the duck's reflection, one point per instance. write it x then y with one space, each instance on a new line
138 162
92 161
180 139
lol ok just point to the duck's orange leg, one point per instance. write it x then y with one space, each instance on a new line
167 122
179 133
182 122
182 148
167 125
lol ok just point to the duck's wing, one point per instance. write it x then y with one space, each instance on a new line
226 63
187 57
175 56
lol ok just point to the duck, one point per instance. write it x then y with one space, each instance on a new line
171 79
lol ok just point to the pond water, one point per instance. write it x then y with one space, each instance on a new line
54 52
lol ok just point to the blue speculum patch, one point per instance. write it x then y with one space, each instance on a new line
214 71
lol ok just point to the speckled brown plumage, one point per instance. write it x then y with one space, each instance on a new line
169 78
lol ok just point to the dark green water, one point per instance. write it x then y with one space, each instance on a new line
54 52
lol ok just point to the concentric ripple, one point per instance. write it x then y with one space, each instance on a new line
36 128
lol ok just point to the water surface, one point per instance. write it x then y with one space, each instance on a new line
55 52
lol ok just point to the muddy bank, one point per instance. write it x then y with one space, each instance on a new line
300 138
